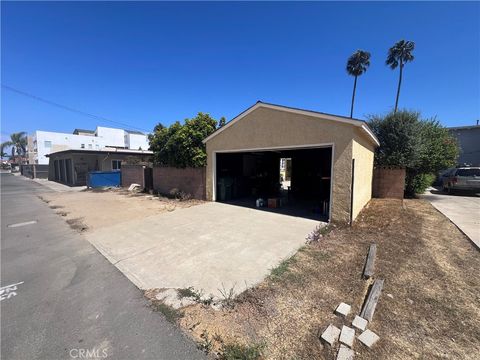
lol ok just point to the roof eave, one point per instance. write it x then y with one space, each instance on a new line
355 122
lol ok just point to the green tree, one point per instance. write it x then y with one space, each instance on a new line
422 146
18 142
357 64
398 55
180 145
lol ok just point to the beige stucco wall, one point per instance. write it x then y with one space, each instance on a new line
264 128
363 153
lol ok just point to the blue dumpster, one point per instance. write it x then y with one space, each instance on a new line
98 179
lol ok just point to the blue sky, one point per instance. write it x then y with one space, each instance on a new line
150 62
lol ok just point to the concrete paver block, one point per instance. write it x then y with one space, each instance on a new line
347 336
134 187
331 334
368 338
345 353
343 309
359 323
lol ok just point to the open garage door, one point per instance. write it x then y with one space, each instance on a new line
295 182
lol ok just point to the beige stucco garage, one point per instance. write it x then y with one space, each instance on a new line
334 152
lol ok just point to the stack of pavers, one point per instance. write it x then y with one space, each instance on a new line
346 335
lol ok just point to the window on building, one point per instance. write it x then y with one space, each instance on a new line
89 146
116 164
96 146
82 146
47 144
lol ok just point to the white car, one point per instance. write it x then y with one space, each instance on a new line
464 178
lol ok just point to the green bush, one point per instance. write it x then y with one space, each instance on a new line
419 183
421 146
180 145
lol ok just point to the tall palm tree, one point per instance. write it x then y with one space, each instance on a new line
3 153
222 122
398 55
18 142
357 64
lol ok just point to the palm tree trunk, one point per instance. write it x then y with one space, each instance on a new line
353 96
399 84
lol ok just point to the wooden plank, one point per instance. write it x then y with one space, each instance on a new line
371 303
370 264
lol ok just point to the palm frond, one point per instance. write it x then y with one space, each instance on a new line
401 52
358 63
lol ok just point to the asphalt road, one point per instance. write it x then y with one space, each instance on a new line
70 302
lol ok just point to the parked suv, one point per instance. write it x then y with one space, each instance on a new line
464 178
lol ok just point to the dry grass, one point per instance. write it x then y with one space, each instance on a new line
94 209
430 271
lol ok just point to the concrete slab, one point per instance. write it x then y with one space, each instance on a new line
57 187
344 353
209 246
331 334
463 211
368 338
343 309
359 323
347 336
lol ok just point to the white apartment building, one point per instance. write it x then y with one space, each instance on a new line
47 142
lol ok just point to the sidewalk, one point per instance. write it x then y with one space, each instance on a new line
54 186
463 211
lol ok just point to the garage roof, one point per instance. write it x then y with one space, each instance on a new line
359 123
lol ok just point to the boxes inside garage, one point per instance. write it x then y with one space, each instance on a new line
295 182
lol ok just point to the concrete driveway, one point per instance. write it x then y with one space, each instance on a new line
462 210
209 246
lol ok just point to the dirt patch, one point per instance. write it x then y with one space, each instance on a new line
99 208
428 308
55 207
77 224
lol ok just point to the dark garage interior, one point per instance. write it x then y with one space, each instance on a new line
293 182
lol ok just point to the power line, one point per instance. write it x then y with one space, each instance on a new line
38 98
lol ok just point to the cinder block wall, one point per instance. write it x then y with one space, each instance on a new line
34 171
133 174
188 180
388 183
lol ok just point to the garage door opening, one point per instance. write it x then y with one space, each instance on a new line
292 182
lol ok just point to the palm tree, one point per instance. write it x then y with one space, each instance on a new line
400 54
18 142
357 64
222 122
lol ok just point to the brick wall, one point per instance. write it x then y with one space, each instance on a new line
188 180
136 174
388 183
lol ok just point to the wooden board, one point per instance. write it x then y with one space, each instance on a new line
371 303
370 264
